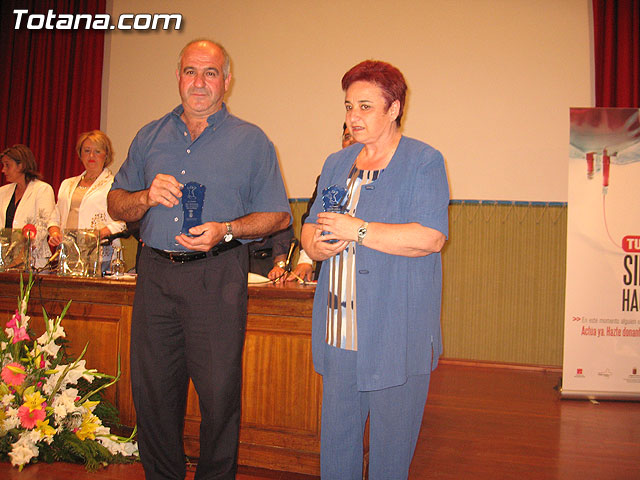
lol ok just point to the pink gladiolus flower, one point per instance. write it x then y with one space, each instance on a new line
29 418
20 334
13 323
12 377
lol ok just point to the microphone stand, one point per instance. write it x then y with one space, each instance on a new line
292 248
287 266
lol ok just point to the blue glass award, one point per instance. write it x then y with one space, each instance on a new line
334 199
192 203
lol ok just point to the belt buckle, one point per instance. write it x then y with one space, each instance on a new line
176 257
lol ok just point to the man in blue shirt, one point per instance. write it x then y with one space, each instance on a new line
190 306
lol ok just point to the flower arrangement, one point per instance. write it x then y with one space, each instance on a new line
50 405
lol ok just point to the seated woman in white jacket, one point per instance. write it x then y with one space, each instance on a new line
26 199
82 200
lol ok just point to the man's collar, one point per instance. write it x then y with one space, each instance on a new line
213 120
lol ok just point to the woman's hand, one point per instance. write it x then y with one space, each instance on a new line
55 236
104 232
317 246
405 239
341 226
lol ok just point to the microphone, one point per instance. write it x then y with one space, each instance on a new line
52 259
292 248
110 238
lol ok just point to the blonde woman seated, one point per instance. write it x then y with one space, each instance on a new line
82 200
26 199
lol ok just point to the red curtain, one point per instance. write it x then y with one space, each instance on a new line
51 84
616 35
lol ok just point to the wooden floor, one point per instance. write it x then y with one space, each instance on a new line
481 423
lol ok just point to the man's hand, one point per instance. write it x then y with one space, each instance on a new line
303 271
205 236
131 206
164 190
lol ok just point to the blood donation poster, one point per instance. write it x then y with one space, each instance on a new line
602 305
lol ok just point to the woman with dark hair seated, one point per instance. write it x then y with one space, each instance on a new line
26 199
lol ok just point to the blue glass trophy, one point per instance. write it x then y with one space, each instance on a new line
192 203
334 199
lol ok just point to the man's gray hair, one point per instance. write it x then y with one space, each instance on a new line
226 67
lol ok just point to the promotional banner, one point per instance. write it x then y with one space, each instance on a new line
602 317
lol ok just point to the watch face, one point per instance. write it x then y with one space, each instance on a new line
362 232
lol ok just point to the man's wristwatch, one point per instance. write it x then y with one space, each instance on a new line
229 235
281 264
362 232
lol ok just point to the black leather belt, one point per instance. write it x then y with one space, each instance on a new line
262 253
184 257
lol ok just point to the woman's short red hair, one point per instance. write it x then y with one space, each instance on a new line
387 77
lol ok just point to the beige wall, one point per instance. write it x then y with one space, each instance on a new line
491 81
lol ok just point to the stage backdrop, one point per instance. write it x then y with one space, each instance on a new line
490 81
602 319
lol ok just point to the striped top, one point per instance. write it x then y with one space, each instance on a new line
342 319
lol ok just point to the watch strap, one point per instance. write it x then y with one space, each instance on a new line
229 235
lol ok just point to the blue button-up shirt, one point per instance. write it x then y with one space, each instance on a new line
233 159
398 298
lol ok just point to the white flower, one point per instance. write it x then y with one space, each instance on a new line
30 436
11 419
6 356
80 370
52 380
23 450
23 306
51 349
6 400
71 377
55 331
64 404
116 446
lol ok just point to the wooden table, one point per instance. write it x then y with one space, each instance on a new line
281 395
